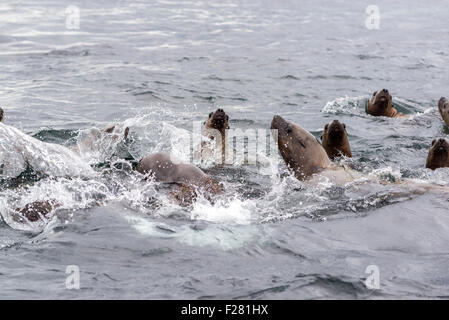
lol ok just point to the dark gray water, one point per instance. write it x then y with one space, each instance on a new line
158 66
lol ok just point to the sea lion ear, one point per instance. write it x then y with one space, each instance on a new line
344 126
433 141
210 114
227 118
374 93
326 126
321 137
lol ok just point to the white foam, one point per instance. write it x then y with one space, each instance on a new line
233 211
345 105
213 235
18 149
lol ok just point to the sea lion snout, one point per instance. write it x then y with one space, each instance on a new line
219 119
383 96
335 127
279 123
440 144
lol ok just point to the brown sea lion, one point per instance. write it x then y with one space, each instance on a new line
443 107
438 156
215 131
381 104
301 151
335 140
188 178
36 210
1 114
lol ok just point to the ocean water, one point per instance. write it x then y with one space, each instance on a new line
159 67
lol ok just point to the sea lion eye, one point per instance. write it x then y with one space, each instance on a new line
326 126
210 114
289 129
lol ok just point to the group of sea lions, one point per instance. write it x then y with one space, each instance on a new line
303 154
381 104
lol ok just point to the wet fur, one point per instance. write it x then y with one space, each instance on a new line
336 142
188 178
438 156
379 107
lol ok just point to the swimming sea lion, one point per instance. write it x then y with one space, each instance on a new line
335 140
36 210
1 114
443 107
381 104
301 151
162 167
438 156
215 131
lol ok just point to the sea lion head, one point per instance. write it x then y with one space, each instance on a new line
1 114
335 139
301 151
218 120
443 107
380 103
438 156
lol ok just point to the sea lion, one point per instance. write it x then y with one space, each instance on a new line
443 107
438 156
1 114
335 140
214 148
36 210
381 104
188 178
301 151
